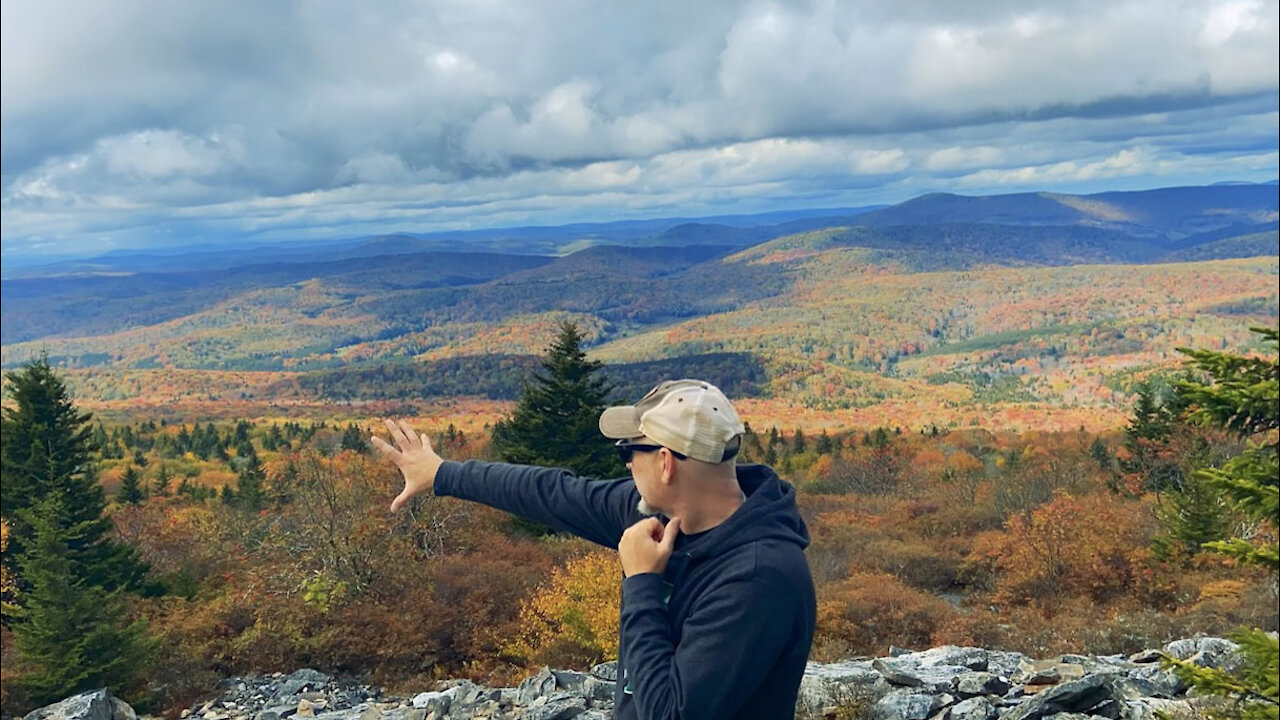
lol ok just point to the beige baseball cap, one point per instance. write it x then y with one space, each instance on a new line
691 417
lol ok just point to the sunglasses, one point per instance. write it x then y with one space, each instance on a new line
626 449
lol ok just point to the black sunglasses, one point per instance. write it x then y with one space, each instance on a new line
626 449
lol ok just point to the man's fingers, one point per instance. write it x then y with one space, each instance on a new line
383 447
669 534
397 435
410 435
400 500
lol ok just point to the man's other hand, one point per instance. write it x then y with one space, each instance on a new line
415 458
646 546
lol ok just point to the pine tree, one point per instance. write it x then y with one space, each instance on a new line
70 632
556 420
251 493
130 488
354 439
162 481
45 450
1242 396
823 445
1146 440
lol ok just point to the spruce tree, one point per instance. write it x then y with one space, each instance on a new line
69 632
556 420
45 450
353 438
130 487
162 481
1241 395
251 493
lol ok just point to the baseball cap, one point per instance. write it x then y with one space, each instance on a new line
691 417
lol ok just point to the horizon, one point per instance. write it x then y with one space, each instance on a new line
135 126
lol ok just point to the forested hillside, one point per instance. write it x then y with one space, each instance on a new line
943 308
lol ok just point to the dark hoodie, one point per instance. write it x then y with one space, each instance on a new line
725 632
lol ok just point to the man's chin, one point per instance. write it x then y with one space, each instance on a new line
645 508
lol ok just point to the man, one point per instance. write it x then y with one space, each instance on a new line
718 603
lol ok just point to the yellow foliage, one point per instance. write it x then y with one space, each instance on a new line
574 616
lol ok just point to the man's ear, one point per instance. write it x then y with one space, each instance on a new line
668 466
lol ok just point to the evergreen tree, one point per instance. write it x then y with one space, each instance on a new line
823 444
1146 439
1100 454
70 632
1242 396
556 420
354 439
130 488
163 478
251 493
44 451
798 442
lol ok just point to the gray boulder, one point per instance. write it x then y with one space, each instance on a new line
1186 649
1075 696
562 706
904 671
981 683
906 705
90 705
975 708
826 685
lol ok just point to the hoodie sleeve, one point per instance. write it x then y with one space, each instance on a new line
597 510
729 645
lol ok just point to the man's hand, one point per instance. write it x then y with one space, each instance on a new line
646 546
415 458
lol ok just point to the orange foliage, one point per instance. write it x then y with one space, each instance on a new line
1069 546
867 611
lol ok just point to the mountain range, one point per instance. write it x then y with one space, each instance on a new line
948 297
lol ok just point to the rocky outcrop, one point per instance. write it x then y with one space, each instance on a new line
945 683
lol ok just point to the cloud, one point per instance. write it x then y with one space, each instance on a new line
139 122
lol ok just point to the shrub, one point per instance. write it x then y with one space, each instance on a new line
868 611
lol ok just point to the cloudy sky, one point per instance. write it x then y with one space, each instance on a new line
142 123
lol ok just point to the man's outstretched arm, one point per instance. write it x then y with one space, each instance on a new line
598 510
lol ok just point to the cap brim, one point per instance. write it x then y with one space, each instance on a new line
620 423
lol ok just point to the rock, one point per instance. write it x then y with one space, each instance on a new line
1003 663
839 684
1145 656
905 705
1155 708
971 658
532 688
1167 684
1046 672
308 708
1074 696
1111 709
1185 649
606 671
437 702
975 708
903 671
981 683
120 710
562 707
91 705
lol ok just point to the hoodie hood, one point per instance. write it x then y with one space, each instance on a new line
769 513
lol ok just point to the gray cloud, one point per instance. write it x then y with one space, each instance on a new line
145 122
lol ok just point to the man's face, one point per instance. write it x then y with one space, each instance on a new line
646 469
